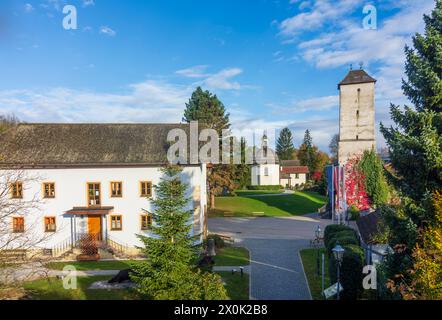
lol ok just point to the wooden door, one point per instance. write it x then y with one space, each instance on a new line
94 227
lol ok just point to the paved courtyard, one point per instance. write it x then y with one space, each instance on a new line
274 243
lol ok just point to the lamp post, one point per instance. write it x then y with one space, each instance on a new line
318 235
338 253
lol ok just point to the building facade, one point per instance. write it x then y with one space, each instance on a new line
356 115
94 179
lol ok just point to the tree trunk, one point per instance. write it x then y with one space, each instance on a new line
212 200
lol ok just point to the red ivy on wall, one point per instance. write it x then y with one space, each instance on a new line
355 186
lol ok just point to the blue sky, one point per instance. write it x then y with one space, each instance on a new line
273 63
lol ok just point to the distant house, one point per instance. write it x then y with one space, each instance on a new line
94 179
286 173
292 174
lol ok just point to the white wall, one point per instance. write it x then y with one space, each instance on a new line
293 180
71 191
259 177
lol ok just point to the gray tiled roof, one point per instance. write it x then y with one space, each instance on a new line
356 76
85 144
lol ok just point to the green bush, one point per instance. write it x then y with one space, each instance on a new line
354 212
272 187
350 272
332 229
343 238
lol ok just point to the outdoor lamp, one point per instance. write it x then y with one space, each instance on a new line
338 253
318 232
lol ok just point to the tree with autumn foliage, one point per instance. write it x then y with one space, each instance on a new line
427 269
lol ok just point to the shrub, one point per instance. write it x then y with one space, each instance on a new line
351 272
354 213
332 229
343 238
272 187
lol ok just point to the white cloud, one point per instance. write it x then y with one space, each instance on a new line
307 105
221 80
149 101
194 72
322 12
88 3
28 8
108 31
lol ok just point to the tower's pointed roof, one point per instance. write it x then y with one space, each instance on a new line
356 76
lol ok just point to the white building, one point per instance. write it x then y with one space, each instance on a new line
94 179
292 174
285 173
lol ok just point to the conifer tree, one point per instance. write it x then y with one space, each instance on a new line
415 141
206 108
415 144
168 272
284 145
307 152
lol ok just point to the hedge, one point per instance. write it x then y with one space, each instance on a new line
343 238
350 272
332 229
272 187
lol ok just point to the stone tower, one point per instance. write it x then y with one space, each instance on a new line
356 115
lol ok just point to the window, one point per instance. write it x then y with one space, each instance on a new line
116 189
145 189
357 113
49 190
146 221
50 225
357 137
266 172
116 223
297 176
94 194
18 225
17 190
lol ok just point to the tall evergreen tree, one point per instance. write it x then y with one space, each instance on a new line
334 147
284 145
306 152
168 273
206 108
415 143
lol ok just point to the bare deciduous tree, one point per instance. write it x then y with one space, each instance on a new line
21 253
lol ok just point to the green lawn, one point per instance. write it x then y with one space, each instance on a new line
309 261
93 265
243 193
298 203
232 256
237 286
52 289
